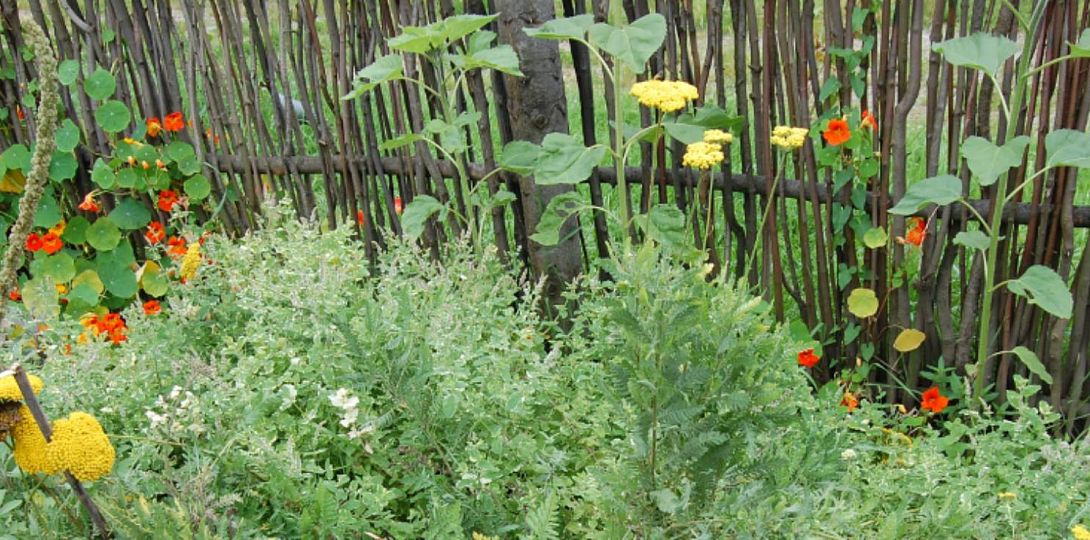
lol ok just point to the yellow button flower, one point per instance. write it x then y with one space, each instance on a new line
190 262
718 136
9 389
789 138
702 155
81 447
1080 532
666 96
30 447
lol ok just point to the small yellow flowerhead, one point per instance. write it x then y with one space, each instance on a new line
1007 495
9 389
190 262
1080 532
30 447
718 136
666 96
789 138
81 447
702 155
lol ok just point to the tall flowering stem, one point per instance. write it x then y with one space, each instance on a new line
39 162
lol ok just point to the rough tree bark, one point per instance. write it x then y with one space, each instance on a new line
537 106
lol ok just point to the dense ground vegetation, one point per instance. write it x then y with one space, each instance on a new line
288 391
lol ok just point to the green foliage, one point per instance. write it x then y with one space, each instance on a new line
979 51
940 190
1043 287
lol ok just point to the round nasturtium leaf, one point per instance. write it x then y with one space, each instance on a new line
103 175
89 278
113 116
130 214
875 237
40 298
152 279
103 234
127 178
49 214
75 232
863 303
198 187
67 72
17 156
63 166
67 136
909 340
82 297
100 84
118 278
60 267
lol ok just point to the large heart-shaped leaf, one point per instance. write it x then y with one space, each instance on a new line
988 161
1043 287
909 340
565 28
519 157
979 51
1032 363
564 160
501 58
939 190
634 44
383 69
973 240
1081 49
417 213
1068 148
559 209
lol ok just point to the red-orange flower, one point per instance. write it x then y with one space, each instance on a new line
398 207
174 122
837 132
167 199
850 401
155 233
15 295
89 204
808 359
152 307
33 242
933 401
19 113
51 243
868 120
154 126
360 218
917 233
214 139
177 246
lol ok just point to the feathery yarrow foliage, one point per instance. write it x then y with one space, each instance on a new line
666 96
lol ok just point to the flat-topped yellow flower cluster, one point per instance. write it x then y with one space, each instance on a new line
78 444
709 152
666 96
789 138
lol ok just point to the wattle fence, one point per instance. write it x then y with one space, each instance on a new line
261 84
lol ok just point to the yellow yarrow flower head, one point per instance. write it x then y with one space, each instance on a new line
9 389
1080 532
718 136
190 262
1007 495
30 447
789 138
81 447
666 96
702 155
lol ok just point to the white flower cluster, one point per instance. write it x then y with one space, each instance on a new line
176 412
350 412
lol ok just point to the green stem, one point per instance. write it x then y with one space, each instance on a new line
619 148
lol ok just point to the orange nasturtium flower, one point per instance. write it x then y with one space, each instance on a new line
177 246
850 401
33 242
167 199
51 243
868 120
152 307
360 218
89 204
916 234
155 233
398 208
15 295
174 122
58 229
808 359
20 113
933 401
837 132
154 126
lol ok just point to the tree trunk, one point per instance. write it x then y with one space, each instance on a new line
537 106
